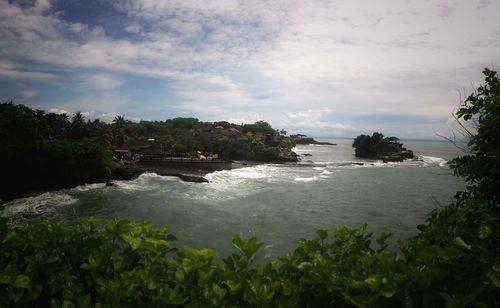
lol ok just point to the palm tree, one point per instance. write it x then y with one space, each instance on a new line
118 130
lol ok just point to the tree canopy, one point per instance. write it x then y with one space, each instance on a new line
376 146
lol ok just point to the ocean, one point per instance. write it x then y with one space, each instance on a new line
277 203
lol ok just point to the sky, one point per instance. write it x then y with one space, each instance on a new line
323 68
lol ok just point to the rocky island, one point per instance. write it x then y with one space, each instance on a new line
303 139
388 149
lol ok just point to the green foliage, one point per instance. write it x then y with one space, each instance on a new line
20 126
376 145
482 166
53 151
92 261
259 127
466 232
32 159
74 160
117 263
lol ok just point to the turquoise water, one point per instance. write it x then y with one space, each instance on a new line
278 203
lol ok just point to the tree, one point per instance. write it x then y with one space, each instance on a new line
468 230
118 129
78 129
481 167
58 124
376 146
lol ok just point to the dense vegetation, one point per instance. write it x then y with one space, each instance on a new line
376 146
76 151
46 151
453 261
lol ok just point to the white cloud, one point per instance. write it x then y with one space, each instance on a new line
28 93
216 57
108 117
313 119
103 81
58 111
8 70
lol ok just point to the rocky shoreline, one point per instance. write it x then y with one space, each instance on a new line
127 172
308 140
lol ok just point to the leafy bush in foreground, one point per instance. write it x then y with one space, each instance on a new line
116 263
453 261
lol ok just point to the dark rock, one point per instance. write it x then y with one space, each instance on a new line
126 172
189 178
131 172
308 140
393 158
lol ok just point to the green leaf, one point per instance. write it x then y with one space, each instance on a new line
383 237
234 286
134 242
371 281
460 242
180 275
322 233
388 294
287 287
218 290
5 278
22 281
485 231
304 265
494 276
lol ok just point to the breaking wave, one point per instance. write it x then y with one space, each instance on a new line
44 205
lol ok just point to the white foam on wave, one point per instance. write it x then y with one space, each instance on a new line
324 173
418 161
45 203
430 160
145 182
363 164
319 145
238 183
89 187
266 171
307 180
235 183
325 162
305 150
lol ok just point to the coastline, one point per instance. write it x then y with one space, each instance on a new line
127 172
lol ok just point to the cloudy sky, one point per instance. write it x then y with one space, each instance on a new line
325 68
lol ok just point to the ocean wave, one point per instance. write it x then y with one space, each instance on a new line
88 187
430 160
41 205
265 171
323 172
235 183
418 161
145 182
307 180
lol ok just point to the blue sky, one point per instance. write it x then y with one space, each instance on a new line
324 68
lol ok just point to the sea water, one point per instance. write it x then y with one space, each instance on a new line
277 203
